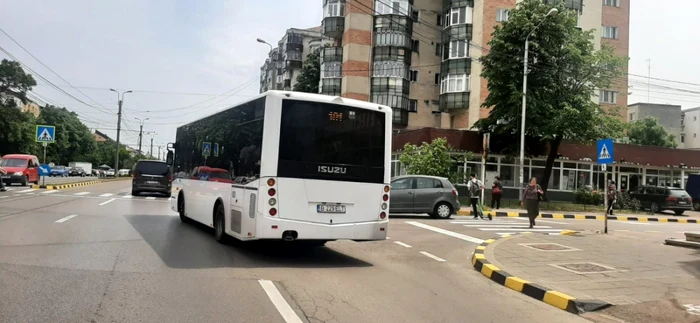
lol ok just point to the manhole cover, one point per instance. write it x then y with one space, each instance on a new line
548 247
585 268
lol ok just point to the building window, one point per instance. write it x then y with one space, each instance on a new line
502 15
438 49
608 97
392 39
389 69
611 3
396 7
609 32
682 138
414 45
439 20
413 75
412 105
631 116
456 49
456 16
437 78
334 8
329 70
454 83
416 16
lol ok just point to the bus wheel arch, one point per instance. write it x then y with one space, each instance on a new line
219 221
181 207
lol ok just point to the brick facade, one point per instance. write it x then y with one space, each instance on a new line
619 17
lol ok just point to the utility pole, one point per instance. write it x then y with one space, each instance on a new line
141 132
151 147
158 152
120 99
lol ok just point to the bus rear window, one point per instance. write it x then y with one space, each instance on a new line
331 141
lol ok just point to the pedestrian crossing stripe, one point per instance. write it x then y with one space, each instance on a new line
604 154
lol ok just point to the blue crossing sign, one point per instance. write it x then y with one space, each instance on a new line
216 150
604 153
206 149
45 134
44 170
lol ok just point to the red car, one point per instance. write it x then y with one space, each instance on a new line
23 169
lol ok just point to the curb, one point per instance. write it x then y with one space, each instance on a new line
538 292
63 186
585 217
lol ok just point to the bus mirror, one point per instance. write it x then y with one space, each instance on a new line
169 158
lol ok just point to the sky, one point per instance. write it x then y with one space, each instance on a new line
179 56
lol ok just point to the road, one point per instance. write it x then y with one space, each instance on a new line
97 254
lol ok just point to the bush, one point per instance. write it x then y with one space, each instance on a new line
626 202
588 196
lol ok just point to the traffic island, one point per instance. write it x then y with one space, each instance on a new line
692 240
590 272
64 186
585 217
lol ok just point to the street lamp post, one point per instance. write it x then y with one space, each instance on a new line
120 98
552 12
262 41
141 121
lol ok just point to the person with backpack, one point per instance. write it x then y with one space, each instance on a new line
496 193
474 187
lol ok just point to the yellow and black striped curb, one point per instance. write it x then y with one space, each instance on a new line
64 186
538 292
584 217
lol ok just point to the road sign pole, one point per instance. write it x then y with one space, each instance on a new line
605 200
43 178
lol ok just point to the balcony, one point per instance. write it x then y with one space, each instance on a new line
392 38
570 4
454 92
330 86
333 27
399 117
331 54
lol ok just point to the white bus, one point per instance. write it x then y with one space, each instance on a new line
286 165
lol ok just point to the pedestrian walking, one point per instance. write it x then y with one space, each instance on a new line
474 187
612 197
496 189
531 200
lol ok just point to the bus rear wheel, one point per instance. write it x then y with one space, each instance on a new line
220 224
181 208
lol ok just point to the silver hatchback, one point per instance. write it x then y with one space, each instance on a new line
423 194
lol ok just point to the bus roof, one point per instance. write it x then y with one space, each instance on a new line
306 97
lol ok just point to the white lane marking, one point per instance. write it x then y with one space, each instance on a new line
3 197
108 201
622 230
280 303
82 193
388 238
402 244
66 218
504 227
535 229
637 223
49 192
128 196
446 232
652 231
151 198
429 255
543 221
25 191
106 195
493 223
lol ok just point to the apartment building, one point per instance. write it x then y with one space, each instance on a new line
690 129
281 68
418 56
669 116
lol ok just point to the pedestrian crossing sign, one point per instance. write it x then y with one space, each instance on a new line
605 151
45 134
206 149
216 150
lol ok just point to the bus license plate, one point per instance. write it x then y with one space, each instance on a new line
323 208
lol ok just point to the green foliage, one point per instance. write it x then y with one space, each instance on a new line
626 202
310 74
648 132
14 83
565 72
588 197
433 159
16 131
74 141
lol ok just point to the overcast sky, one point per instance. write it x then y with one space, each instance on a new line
205 48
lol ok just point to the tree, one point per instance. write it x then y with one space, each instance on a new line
74 141
433 159
16 127
565 72
310 74
649 132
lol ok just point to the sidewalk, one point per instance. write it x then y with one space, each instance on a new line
689 215
646 281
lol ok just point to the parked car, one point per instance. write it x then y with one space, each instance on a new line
108 173
659 199
124 172
423 194
60 171
76 171
21 168
151 176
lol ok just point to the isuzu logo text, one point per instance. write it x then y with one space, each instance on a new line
332 170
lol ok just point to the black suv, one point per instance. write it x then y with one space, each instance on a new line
151 176
658 199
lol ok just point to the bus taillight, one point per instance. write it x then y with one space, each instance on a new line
270 182
382 215
273 211
385 197
386 189
271 192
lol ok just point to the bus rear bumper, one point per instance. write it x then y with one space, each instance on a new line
273 228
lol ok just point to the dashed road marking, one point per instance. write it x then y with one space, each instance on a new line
25 191
82 193
106 202
434 257
49 192
402 244
128 196
3 197
106 195
446 232
279 302
66 218
151 198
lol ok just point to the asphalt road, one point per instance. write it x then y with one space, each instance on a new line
96 254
